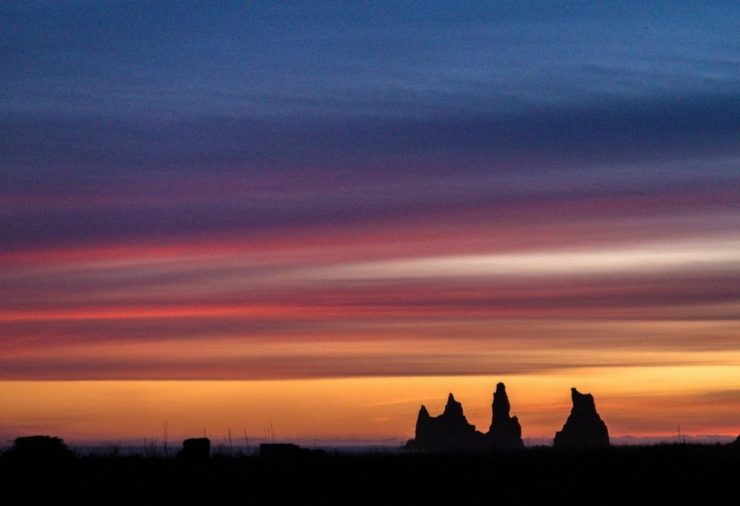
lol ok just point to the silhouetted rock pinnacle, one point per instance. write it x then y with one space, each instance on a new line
505 432
448 431
583 428
453 409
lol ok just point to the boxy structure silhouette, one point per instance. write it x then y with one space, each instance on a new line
198 448
39 448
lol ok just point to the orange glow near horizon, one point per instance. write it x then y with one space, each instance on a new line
643 401
336 345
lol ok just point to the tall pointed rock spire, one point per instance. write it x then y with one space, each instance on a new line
453 408
505 432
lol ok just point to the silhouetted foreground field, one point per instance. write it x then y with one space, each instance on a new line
667 474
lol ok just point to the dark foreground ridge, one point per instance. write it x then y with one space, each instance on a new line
289 475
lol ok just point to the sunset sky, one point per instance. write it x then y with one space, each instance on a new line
320 215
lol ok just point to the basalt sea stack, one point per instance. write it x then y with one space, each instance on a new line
584 427
449 431
505 432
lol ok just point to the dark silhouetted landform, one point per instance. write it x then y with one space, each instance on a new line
584 428
448 431
451 431
286 474
42 470
505 433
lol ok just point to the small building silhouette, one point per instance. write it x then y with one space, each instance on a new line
198 448
39 448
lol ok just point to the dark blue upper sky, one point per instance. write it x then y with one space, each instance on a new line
144 59
113 97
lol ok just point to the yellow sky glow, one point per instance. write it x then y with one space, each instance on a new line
370 408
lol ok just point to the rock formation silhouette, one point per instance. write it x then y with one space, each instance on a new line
505 432
584 427
198 448
449 431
